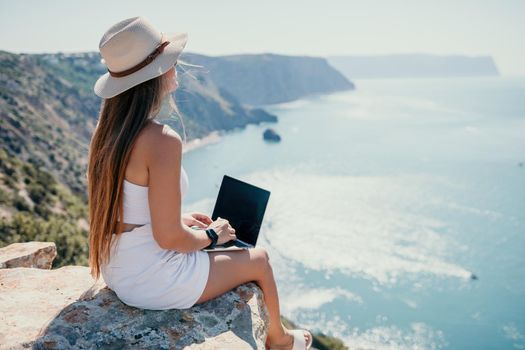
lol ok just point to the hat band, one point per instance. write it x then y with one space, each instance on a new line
142 64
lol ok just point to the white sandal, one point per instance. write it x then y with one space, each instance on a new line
298 339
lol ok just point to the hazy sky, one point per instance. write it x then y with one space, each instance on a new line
314 28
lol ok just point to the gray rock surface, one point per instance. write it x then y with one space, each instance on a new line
66 309
30 254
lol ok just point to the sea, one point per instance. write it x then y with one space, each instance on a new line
396 218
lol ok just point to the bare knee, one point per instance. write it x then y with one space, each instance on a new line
261 254
261 258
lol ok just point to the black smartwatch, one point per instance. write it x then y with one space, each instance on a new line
213 236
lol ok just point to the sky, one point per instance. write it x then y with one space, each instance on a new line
289 27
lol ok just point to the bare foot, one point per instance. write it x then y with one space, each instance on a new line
286 341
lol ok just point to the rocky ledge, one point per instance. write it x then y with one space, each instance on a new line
65 308
30 254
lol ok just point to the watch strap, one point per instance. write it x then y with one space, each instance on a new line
213 236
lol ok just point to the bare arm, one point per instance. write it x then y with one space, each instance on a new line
164 166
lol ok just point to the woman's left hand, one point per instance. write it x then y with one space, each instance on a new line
196 219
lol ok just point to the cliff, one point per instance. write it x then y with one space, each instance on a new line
259 79
65 308
48 111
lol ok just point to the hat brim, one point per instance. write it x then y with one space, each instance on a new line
107 86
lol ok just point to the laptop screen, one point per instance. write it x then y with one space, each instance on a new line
243 205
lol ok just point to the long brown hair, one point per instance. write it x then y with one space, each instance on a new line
121 118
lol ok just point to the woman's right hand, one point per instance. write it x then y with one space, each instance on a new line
224 230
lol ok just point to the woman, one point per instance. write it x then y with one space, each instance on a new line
139 240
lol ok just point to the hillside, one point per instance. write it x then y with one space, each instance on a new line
35 207
260 79
48 112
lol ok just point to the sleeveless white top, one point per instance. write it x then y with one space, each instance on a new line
136 205
144 275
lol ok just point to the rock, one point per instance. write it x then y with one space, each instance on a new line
66 308
271 135
30 254
30 298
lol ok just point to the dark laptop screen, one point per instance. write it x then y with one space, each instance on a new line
243 205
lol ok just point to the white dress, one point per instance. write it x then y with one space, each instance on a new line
144 275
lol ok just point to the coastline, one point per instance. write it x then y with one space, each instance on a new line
212 137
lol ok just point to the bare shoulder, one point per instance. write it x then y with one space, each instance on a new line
159 138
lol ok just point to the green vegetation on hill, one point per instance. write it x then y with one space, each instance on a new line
44 119
41 209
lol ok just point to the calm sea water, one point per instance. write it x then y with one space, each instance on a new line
385 201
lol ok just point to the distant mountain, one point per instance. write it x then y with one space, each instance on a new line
259 79
413 66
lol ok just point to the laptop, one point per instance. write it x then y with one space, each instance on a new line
243 205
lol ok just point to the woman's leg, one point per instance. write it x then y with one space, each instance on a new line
230 269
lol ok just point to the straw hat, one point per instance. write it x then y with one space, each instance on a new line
133 52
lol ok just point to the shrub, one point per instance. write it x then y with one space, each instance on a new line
43 211
5 197
21 204
37 193
71 240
